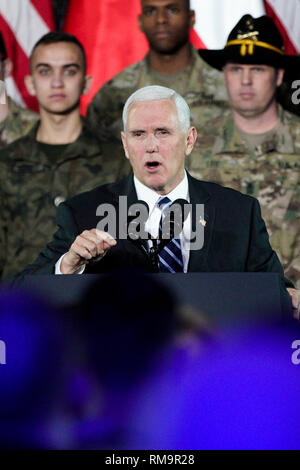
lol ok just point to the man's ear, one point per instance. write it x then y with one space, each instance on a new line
124 144
8 67
280 74
87 84
28 80
192 18
190 140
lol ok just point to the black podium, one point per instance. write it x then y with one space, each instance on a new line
224 298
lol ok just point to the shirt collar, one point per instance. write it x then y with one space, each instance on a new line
151 197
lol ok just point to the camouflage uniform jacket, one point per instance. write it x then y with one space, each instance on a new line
269 172
201 85
17 123
32 185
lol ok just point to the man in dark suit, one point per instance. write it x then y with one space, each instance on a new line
157 137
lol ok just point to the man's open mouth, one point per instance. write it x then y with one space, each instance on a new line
152 164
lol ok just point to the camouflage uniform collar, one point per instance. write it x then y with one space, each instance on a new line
32 133
230 139
194 57
86 144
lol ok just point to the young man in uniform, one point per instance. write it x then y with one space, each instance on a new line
58 158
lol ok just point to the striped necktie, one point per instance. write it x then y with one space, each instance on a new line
170 257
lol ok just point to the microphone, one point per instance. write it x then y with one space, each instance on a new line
138 214
172 225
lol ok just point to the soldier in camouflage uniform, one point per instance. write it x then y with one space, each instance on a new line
171 62
255 147
14 120
57 159
17 123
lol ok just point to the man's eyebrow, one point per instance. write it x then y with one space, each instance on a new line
65 66
42 64
165 128
72 64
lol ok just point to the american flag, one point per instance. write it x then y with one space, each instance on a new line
22 23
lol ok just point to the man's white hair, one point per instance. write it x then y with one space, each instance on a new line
155 92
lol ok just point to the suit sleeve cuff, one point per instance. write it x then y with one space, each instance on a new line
58 263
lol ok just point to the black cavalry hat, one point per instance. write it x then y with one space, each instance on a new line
3 53
252 41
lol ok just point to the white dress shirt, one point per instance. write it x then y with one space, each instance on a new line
151 197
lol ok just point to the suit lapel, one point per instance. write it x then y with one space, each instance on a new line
127 188
199 195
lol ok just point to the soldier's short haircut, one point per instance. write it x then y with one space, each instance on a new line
186 4
155 92
58 36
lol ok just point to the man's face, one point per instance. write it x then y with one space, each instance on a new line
57 78
166 24
251 88
156 145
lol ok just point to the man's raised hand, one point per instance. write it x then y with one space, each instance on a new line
89 245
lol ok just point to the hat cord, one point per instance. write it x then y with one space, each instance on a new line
248 44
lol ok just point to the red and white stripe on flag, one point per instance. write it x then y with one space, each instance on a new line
22 23
215 19
286 16
108 30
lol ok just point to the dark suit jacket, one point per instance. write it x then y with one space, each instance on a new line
235 236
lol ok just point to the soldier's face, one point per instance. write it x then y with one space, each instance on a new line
251 88
166 24
57 78
156 145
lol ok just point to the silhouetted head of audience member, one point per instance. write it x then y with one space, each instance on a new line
30 369
127 317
